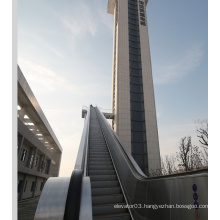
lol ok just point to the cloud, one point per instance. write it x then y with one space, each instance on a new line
175 70
80 21
44 78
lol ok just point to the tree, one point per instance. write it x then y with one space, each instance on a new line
168 165
202 134
189 156
202 130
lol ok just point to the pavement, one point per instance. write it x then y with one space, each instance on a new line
27 208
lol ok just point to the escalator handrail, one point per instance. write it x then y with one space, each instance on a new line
133 164
81 160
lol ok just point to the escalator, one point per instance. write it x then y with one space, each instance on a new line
106 190
107 184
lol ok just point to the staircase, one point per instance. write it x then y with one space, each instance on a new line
106 191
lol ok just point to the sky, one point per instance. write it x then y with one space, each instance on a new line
65 52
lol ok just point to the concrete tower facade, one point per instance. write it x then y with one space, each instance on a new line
132 85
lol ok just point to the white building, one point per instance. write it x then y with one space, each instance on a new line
132 89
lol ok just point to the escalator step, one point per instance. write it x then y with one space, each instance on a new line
115 198
103 167
107 208
101 172
105 191
104 184
103 177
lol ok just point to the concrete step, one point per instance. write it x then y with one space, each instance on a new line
103 177
107 208
119 216
101 172
104 167
115 198
104 184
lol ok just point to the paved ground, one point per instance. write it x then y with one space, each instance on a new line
26 209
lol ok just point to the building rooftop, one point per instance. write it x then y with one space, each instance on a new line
111 5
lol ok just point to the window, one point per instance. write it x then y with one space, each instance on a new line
137 80
137 126
35 161
136 88
134 27
25 185
134 44
138 136
41 185
19 185
137 116
134 38
133 32
134 51
31 160
132 11
133 21
23 156
136 97
33 186
132 15
134 64
140 160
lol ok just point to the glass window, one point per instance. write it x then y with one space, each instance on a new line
133 21
134 27
134 51
140 160
145 161
135 72
41 185
134 32
132 15
35 161
19 185
137 148
25 185
31 160
24 154
132 6
137 125
136 88
132 11
134 38
134 57
137 116
136 96
137 80
134 44
137 136
33 186
134 64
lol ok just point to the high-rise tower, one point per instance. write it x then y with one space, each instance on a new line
132 84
